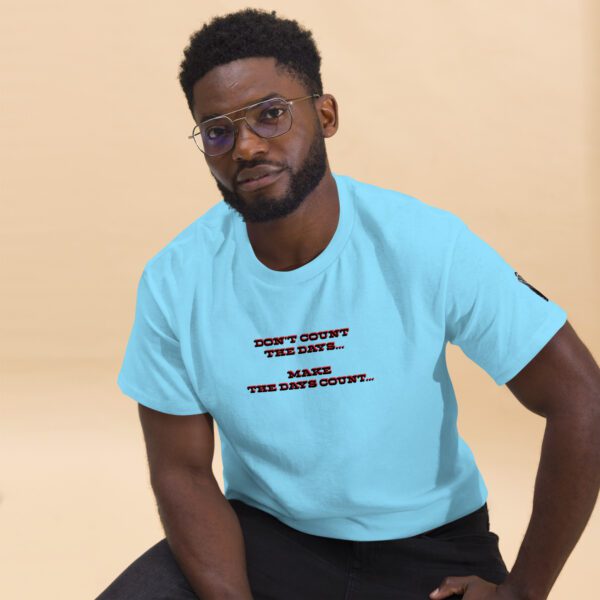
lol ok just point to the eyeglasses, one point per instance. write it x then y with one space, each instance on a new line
267 119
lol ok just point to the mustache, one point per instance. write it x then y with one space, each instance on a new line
257 163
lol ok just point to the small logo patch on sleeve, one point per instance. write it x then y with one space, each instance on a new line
530 286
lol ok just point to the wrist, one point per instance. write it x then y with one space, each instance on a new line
520 591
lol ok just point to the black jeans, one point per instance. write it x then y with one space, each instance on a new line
287 564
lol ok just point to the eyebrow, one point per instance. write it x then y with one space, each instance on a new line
267 97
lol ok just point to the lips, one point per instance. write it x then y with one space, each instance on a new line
257 178
256 172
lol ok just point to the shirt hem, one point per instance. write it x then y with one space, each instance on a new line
382 526
541 337
149 402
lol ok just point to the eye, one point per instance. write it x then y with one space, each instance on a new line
213 133
271 114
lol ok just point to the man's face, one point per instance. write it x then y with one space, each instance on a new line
299 153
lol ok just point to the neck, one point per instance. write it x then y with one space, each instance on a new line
294 240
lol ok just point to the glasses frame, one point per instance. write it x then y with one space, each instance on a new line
196 134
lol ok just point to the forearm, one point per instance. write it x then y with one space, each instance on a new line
566 489
204 534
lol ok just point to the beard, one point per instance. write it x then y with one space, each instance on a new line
263 207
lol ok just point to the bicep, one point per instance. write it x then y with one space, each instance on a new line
177 442
562 379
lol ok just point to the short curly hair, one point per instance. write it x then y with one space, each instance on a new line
251 33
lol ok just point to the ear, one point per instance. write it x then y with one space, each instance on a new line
327 110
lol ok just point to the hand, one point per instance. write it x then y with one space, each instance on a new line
473 588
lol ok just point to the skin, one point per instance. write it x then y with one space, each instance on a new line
304 205
287 230
562 385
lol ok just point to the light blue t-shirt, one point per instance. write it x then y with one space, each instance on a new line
328 383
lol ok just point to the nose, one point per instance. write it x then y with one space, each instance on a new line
247 143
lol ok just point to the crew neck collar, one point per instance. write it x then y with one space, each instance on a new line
251 264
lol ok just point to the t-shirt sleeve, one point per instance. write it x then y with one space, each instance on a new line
153 372
499 320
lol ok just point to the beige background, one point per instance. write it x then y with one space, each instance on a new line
489 110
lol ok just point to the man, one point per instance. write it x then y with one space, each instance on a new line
308 314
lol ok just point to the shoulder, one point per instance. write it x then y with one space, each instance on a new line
192 248
403 219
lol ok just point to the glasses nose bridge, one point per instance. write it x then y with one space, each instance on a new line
240 143
236 127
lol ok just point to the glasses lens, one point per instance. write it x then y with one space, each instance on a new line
217 135
270 118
